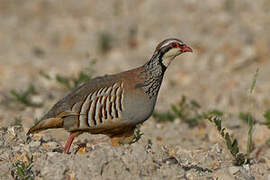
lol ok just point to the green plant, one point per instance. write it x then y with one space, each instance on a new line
23 170
165 116
137 136
229 5
45 75
267 118
246 117
187 111
24 96
232 144
250 120
17 121
105 42
73 82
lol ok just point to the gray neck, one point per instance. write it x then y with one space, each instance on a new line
154 71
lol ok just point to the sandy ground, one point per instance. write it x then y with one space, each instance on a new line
230 40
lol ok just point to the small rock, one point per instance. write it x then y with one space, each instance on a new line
1 143
82 150
159 126
46 138
215 165
37 137
221 174
11 131
49 145
170 160
189 176
52 154
246 167
217 148
233 170
34 144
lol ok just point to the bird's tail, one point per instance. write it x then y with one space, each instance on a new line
55 122
47 124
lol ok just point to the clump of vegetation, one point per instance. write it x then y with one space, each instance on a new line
267 118
187 111
17 121
246 116
73 82
24 97
250 120
232 144
137 136
164 117
23 170
105 42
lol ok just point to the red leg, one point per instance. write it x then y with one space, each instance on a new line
69 142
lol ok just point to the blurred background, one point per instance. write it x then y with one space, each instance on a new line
230 40
48 47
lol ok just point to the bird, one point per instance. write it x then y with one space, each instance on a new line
113 104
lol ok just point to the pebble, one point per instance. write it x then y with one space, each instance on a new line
189 176
50 145
233 170
11 131
34 144
246 167
52 154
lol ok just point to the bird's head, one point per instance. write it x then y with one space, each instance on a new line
168 49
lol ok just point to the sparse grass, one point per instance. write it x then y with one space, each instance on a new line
229 5
137 136
73 82
45 75
105 42
232 144
254 81
267 118
23 97
187 111
23 170
267 142
17 121
250 145
250 120
164 117
246 116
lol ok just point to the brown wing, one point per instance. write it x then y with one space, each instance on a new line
79 94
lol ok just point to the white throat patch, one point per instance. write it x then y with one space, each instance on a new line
169 56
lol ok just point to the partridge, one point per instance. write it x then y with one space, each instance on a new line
113 104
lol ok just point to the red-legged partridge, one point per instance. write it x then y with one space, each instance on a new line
113 104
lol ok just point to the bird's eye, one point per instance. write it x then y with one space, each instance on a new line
173 45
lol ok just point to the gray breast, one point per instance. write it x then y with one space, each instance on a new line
138 107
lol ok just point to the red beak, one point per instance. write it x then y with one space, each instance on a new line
185 48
